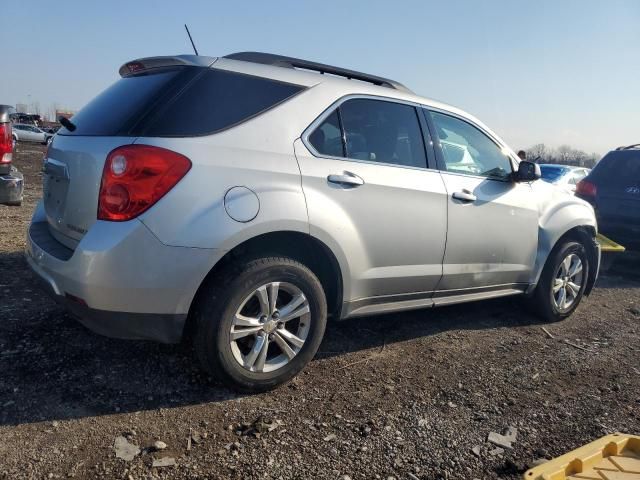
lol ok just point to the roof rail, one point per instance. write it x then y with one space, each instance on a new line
290 62
629 147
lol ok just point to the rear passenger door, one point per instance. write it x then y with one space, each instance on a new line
492 221
374 194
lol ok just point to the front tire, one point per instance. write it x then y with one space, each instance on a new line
259 323
562 282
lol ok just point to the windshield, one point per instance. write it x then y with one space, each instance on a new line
552 173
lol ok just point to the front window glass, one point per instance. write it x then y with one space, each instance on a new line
467 150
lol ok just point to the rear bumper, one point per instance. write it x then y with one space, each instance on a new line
11 188
120 281
164 328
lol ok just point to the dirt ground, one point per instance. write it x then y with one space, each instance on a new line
404 396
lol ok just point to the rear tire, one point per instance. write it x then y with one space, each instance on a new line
282 305
562 282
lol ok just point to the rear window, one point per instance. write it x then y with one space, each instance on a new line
183 101
618 168
116 109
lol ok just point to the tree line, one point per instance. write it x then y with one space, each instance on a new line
564 155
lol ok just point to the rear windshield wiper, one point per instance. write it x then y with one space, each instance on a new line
66 123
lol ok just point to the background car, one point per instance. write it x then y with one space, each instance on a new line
30 133
613 188
564 176
459 159
11 181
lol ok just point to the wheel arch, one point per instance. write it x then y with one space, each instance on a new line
584 233
306 249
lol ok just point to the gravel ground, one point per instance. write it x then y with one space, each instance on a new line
405 396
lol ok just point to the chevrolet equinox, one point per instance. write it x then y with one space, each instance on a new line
245 199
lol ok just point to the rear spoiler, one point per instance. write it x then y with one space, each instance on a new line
149 63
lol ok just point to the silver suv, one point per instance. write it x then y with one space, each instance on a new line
243 200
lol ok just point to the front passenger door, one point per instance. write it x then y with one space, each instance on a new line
492 233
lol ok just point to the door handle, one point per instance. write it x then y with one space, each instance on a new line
345 179
464 195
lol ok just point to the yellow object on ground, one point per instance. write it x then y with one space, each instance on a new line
608 245
614 457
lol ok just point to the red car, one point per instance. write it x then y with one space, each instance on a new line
11 180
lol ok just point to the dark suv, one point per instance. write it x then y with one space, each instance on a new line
613 188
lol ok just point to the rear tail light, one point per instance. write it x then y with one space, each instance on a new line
586 189
6 143
135 177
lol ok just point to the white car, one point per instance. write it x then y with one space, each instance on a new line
30 133
563 176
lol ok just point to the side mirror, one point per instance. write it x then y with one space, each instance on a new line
527 172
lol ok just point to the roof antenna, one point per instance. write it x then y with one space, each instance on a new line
192 44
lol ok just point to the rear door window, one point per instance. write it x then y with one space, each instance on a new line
381 131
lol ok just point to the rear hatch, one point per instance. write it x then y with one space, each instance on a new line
157 97
617 178
75 159
71 181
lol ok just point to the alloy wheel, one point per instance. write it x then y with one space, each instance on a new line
567 282
270 327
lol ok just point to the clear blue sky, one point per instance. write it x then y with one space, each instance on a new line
535 71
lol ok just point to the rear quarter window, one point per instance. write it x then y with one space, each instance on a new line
217 100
